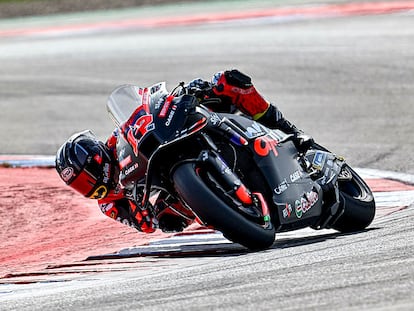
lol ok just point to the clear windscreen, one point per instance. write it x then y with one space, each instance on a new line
125 99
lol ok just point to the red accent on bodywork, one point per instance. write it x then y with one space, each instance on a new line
243 141
146 100
265 209
125 162
141 126
132 141
197 126
166 106
111 142
138 130
263 145
243 194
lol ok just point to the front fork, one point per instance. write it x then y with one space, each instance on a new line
220 169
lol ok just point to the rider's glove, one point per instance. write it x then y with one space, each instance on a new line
303 142
239 89
197 84
198 87
142 218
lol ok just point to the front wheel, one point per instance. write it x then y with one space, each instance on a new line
358 202
212 210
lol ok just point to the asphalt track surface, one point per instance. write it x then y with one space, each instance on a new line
345 80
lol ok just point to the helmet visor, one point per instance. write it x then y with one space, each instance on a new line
84 183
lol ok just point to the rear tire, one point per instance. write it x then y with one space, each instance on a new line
215 212
359 204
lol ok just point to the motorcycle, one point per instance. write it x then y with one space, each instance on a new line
229 172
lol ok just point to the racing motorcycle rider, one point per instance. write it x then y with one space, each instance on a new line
90 166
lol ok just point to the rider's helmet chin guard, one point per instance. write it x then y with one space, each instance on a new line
84 163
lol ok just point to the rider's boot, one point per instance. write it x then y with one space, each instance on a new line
273 118
238 88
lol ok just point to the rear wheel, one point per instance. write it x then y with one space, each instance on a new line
214 211
358 202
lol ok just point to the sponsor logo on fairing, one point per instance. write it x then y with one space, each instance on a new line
295 176
254 130
171 115
287 211
155 88
264 145
165 107
281 187
215 119
124 162
129 170
305 203
145 98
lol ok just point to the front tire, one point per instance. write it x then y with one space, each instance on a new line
215 212
358 202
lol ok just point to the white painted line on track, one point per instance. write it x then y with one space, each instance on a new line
27 160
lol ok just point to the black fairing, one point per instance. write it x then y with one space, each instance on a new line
132 167
170 117
169 120
296 197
